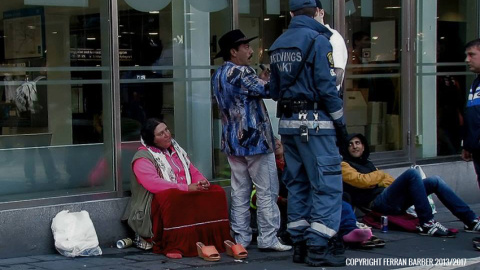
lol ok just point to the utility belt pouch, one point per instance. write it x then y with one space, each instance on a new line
284 108
304 133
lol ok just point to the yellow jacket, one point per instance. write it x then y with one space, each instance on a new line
365 180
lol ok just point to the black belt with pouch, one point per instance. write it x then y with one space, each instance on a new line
288 107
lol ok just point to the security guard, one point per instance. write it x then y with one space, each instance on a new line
311 115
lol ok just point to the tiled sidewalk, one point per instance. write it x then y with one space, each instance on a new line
399 245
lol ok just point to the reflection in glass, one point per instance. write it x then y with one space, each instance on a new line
451 89
373 88
165 66
443 28
53 84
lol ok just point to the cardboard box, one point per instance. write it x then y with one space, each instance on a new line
356 129
378 148
364 92
376 112
355 108
375 134
393 128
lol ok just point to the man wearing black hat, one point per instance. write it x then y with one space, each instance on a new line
311 114
247 140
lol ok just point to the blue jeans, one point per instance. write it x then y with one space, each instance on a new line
410 189
348 221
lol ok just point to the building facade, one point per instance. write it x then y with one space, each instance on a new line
79 77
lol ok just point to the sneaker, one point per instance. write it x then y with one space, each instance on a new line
285 239
363 226
323 256
474 226
276 247
434 228
476 243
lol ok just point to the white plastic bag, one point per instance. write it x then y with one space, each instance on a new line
74 234
411 209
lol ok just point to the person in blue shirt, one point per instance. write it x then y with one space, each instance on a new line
471 134
247 140
311 115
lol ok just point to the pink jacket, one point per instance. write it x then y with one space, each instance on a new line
148 177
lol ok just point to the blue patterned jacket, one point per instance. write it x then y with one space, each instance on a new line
246 127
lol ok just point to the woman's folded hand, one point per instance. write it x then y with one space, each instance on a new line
200 185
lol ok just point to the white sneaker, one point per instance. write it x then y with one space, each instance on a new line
276 247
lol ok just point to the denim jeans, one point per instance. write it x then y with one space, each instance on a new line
348 221
261 171
410 189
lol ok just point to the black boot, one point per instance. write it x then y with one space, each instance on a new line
323 256
299 252
337 245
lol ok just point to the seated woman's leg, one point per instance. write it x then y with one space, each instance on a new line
406 190
348 220
349 231
448 197
182 218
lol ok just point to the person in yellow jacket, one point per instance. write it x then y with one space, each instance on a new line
377 190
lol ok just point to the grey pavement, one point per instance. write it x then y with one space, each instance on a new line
401 249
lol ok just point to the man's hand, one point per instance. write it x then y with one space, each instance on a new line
265 75
342 138
466 155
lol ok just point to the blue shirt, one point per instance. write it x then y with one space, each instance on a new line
471 138
246 127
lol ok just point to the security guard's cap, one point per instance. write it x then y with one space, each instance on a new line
298 4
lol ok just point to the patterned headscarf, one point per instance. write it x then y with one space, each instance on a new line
164 168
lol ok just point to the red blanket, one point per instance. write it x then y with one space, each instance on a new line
405 222
181 219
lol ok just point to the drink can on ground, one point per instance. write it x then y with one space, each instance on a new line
124 243
384 224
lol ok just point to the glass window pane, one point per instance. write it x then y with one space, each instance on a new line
54 85
168 48
373 85
442 78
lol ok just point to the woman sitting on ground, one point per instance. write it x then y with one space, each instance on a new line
173 206
371 188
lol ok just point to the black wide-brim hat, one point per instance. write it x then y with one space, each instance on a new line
230 40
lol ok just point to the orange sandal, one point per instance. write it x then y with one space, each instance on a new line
208 253
237 251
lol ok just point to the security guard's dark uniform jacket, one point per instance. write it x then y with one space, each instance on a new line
314 83
308 105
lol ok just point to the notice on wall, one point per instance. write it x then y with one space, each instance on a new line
83 54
